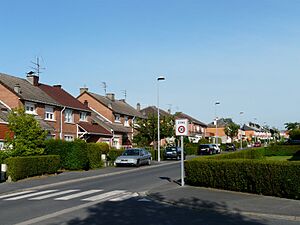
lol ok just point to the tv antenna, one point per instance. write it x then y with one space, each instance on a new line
124 92
104 86
37 66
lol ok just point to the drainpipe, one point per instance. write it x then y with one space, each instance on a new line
61 122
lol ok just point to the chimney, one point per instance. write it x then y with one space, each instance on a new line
32 78
17 88
169 111
57 85
111 96
86 103
138 107
84 89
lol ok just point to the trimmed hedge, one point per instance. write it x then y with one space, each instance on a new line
94 152
274 178
73 154
23 167
3 155
257 153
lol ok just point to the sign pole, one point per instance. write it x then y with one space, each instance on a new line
182 162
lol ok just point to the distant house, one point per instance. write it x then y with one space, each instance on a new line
214 131
116 115
152 110
255 132
57 111
197 129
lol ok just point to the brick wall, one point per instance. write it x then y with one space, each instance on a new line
9 98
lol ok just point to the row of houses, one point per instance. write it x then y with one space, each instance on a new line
90 116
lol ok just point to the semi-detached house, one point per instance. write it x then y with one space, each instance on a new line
58 112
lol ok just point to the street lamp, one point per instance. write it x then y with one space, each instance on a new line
161 78
216 103
241 136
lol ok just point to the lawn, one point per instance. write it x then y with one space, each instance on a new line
284 158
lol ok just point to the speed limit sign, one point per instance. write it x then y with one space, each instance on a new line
181 127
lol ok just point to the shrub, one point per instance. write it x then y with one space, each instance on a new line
257 153
73 154
22 167
94 152
113 154
274 178
4 155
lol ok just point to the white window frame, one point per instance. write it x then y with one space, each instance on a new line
83 116
1 145
49 113
69 137
69 117
117 118
30 108
126 121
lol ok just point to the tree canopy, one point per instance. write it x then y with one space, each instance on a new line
28 135
231 130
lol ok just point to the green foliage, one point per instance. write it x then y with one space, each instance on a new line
28 137
294 134
257 153
104 147
94 152
204 141
22 167
147 129
231 130
292 126
113 154
4 155
73 154
191 149
282 150
254 176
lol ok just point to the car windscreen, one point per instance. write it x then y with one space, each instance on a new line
131 152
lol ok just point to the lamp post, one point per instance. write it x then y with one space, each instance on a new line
161 78
216 103
241 135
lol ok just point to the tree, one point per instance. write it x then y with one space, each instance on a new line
147 129
28 135
292 126
231 130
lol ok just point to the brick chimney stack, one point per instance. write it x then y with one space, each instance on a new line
32 78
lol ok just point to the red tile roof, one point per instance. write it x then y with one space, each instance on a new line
94 129
63 97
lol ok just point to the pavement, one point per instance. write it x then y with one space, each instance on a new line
171 192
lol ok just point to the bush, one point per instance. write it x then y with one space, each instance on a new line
113 154
73 154
94 152
22 167
276 178
3 155
257 153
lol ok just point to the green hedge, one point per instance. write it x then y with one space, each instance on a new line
94 152
275 178
282 150
22 167
3 155
257 153
73 154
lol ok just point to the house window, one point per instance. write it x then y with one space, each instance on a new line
68 116
126 121
83 116
49 113
69 138
1 145
117 118
30 108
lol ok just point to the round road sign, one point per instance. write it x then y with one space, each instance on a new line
181 129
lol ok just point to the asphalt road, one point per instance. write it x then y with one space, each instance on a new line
114 199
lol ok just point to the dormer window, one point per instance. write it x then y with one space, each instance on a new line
126 121
30 108
83 116
117 118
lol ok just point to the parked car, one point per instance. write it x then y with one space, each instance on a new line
174 153
206 149
257 144
134 157
292 142
218 150
230 147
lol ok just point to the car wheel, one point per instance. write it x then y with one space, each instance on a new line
210 152
138 163
149 162
178 157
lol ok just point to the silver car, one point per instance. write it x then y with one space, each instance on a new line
134 157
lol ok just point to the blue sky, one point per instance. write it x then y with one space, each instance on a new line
245 54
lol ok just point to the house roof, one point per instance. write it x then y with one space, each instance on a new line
191 119
152 110
95 129
63 97
119 128
27 90
117 106
222 122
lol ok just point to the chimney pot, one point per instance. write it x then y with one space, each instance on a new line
138 107
57 85
84 89
110 96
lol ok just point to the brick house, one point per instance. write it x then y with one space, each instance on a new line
115 115
197 129
57 111
4 130
212 131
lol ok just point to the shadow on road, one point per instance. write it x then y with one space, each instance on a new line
134 212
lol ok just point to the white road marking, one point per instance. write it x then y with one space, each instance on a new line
68 197
124 197
103 196
17 193
29 195
53 195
